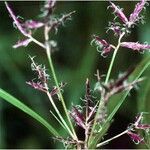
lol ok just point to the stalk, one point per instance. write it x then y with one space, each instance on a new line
48 52
113 58
60 116
113 138
102 104
37 42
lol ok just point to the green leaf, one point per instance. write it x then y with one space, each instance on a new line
135 75
17 103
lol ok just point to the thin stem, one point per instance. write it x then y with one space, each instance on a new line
47 47
102 103
86 114
37 42
57 111
113 58
56 82
58 120
48 52
105 142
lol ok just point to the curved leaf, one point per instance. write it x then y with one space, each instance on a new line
134 76
17 103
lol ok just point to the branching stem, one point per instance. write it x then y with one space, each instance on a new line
113 58
113 138
101 102
48 52
58 113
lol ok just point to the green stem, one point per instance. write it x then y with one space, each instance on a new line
60 116
48 52
113 59
101 104
37 42
105 142
59 93
56 82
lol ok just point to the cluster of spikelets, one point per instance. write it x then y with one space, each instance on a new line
93 113
123 26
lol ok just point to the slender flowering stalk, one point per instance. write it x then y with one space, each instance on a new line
109 140
133 129
21 28
59 114
135 137
42 85
48 52
113 57
33 25
16 21
121 31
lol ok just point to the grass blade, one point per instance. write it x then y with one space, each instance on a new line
17 103
134 76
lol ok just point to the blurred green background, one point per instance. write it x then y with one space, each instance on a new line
74 61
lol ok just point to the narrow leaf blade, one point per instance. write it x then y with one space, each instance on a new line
134 76
17 103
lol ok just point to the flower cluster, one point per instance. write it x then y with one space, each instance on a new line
116 86
102 44
47 19
93 115
135 46
41 81
84 116
120 29
134 16
135 127
42 77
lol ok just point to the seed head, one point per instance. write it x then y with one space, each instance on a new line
22 43
135 127
102 44
118 11
135 16
135 46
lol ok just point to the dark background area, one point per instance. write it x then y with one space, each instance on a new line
74 61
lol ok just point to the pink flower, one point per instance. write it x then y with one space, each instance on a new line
135 46
31 24
100 43
137 125
22 43
37 85
16 21
48 8
134 17
119 12
55 89
24 27
115 28
78 117
50 4
135 137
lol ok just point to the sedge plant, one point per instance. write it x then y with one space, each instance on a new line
93 117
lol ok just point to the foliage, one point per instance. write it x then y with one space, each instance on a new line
93 117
